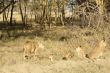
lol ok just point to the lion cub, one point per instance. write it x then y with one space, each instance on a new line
97 51
31 47
80 52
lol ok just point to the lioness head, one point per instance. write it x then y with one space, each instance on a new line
102 43
41 45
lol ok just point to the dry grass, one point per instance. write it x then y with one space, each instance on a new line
59 42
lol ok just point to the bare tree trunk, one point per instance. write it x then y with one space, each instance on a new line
7 13
11 17
25 15
49 14
101 8
21 12
3 12
62 15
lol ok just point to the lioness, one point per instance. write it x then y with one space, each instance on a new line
31 47
97 51
80 52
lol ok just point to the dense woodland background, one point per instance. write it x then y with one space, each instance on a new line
27 15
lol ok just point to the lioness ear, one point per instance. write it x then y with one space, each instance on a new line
80 46
103 39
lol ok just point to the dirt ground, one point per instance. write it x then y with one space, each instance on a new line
57 44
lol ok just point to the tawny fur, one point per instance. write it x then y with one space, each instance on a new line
31 47
80 52
97 51
51 58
